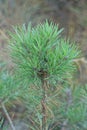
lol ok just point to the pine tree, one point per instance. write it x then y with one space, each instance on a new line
42 58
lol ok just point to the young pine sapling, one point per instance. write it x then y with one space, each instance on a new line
42 54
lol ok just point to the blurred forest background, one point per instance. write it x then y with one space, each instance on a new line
69 14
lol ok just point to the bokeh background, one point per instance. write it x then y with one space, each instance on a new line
69 14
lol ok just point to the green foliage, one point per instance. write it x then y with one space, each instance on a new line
8 86
42 48
31 97
40 52
73 107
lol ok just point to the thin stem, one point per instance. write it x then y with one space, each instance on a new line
43 103
8 117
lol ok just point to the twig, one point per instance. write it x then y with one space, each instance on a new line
8 117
